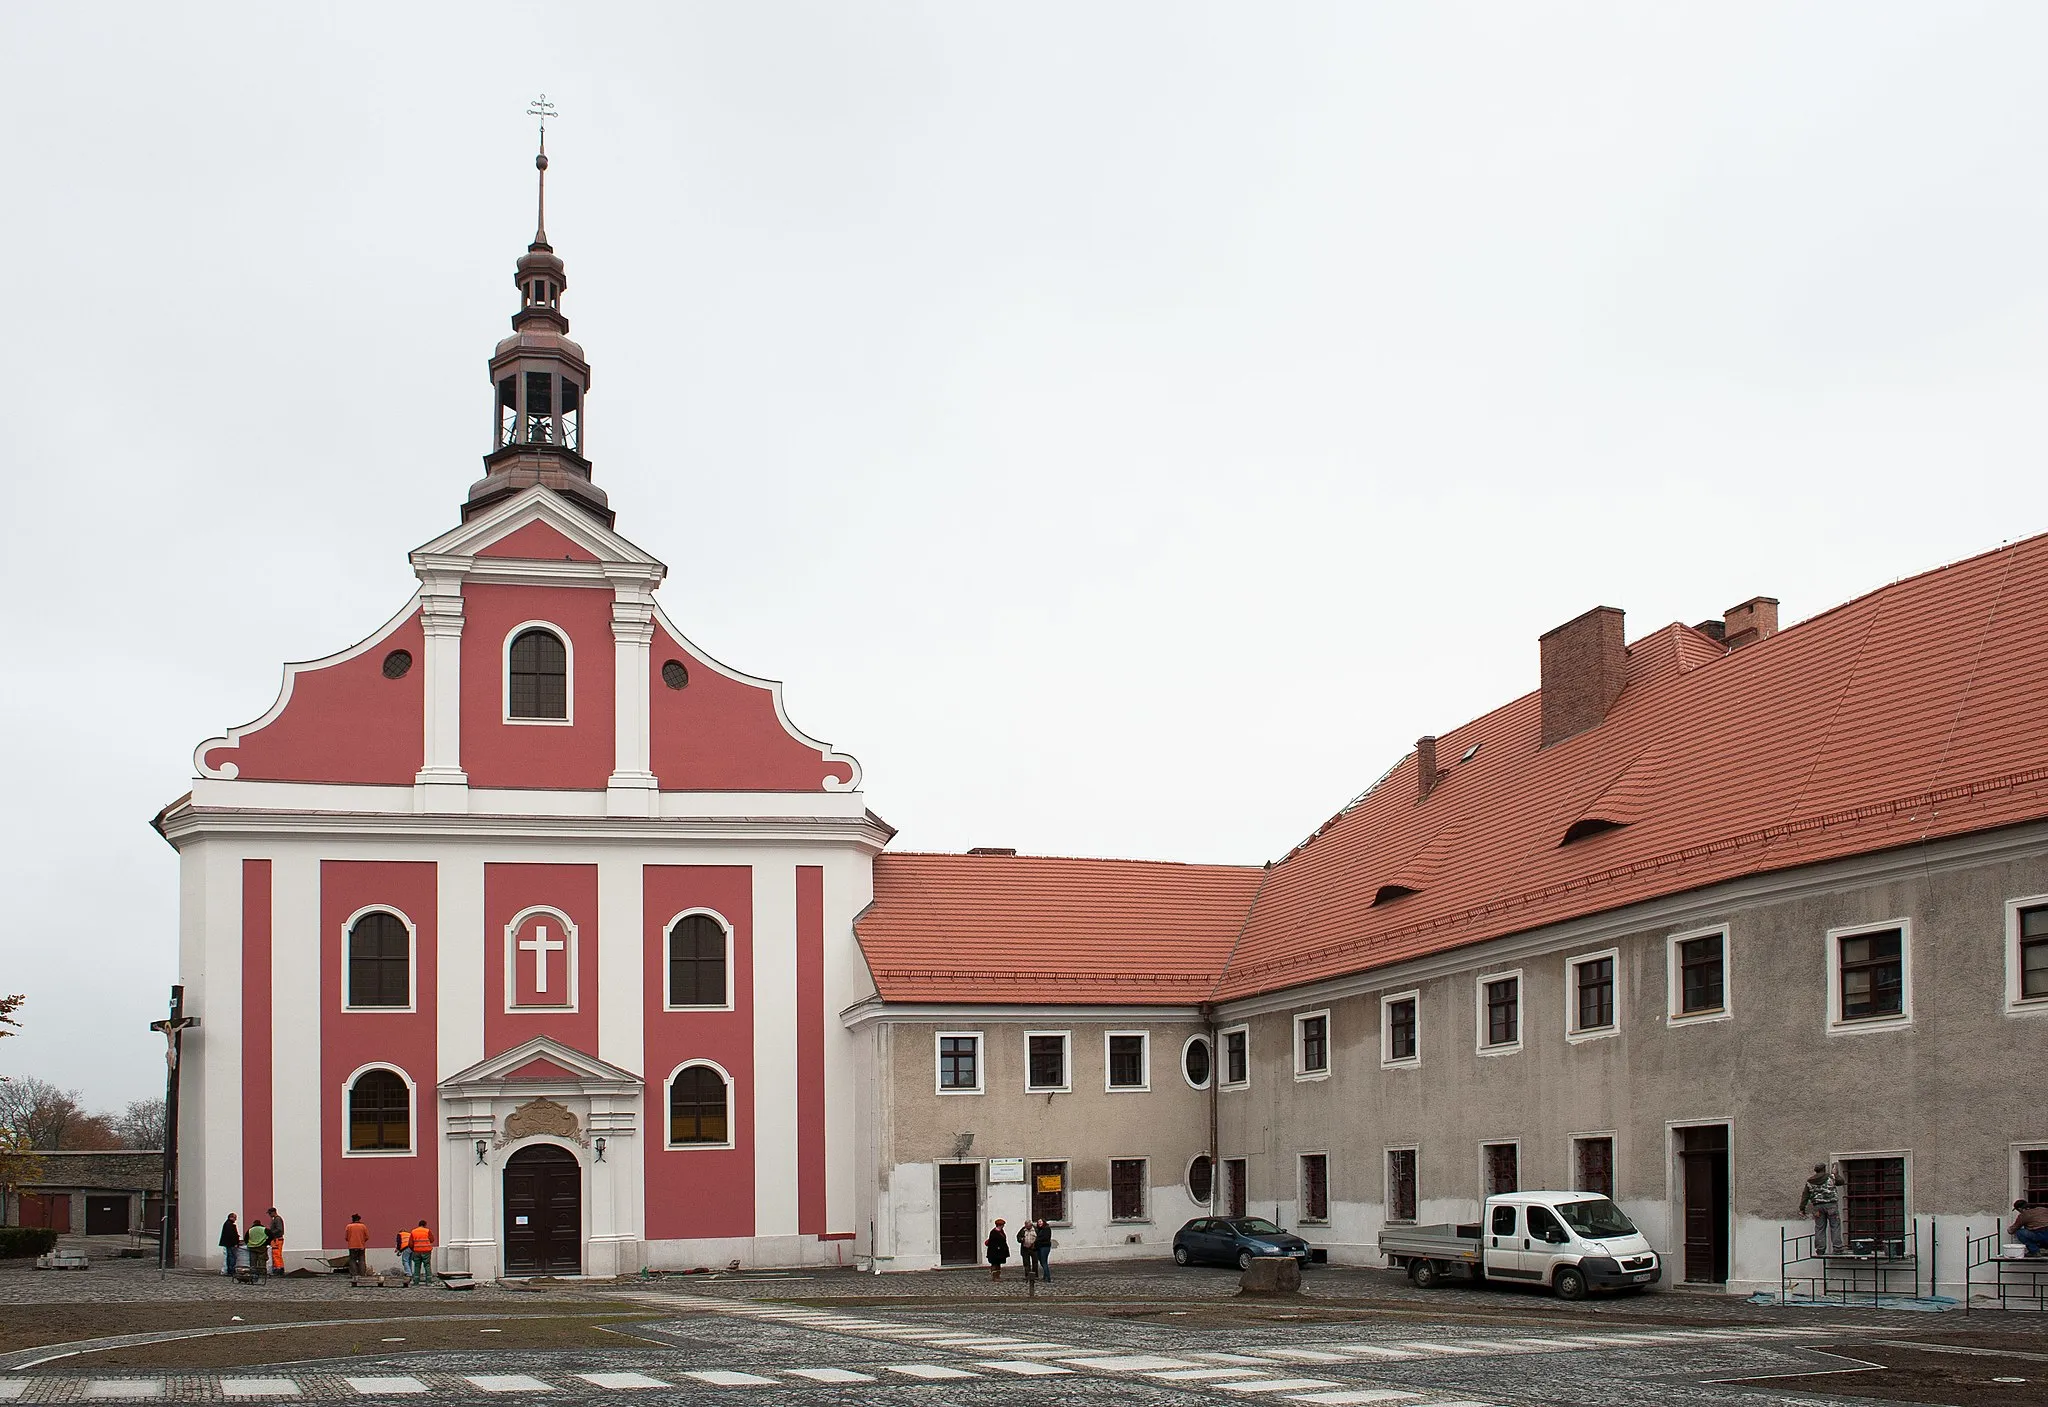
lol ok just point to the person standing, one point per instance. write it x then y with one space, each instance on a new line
258 1242
356 1237
1042 1247
1027 1237
1822 1200
998 1248
2030 1226
230 1244
422 1253
276 1228
404 1249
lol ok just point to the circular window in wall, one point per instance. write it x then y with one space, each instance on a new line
397 664
674 675
1195 1061
1201 1180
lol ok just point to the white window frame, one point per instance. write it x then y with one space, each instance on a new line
412 1112
1144 1217
1066 1084
1833 956
568 718
1144 1086
1613 1157
1301 1070
2015 1004
572 953
1573 1033
1674 978
732 1109
939 1039
1387 1178
1223 1056
412 961
1185 1047
667 955
1301 1216
1066 1166
1521 1011
1514 1143
1905 1157
1388 1060
2017 1164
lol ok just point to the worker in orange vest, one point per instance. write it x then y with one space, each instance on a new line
356 1237
422 1253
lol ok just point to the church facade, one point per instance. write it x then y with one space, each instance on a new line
525 917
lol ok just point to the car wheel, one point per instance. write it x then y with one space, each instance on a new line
1244 1260
1424 1275
1180 1255
1570 1284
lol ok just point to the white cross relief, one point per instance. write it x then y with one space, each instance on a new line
540 945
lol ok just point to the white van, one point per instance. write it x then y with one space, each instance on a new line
1571 1241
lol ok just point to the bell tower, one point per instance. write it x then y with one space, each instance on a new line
539 380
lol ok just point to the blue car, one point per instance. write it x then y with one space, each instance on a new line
1234 1240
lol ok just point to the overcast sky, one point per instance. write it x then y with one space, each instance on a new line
1125 427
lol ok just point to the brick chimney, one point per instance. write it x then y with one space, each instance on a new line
1584 662
1426 775
1755 619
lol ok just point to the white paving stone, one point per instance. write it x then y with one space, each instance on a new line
1305 1355
508 1382
1205 1375
930 1372
623 1382
125 1387
1377 1350
1129 1363
1361 1394
1234 1358
258 1387
1277 1385
727 1377
1427 1346
12 1387
1025 1368
386 1387
830 1375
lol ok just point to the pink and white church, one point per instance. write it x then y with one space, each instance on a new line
522 914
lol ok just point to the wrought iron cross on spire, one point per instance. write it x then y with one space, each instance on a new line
541 108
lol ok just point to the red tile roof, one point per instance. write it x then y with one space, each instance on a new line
1910 713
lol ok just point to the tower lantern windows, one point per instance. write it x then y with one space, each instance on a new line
540 409
508 411
572 415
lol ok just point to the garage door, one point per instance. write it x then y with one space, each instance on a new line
50 1209
106 1216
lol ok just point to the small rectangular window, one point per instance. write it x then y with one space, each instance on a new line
1702 975
1874 1199
1127 1061
1127 1189
959 1063
1401 1193
1872 975
2033 953
1237 1062
1049 1192
1593 994
1046 1061
1313 1044
1593 1160
1402 1042
1234 1196
1315 1187
2034 1174
1503 1010
1503 1168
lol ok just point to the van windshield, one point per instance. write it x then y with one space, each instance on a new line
1596 1218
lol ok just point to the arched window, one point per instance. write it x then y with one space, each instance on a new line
1201 1180
379 961
379 1113
696 961
697 1107
537 682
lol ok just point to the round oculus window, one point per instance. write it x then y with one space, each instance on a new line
1201 1179
1195 1061
397 664
674 675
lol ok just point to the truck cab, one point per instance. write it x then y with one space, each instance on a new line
1571 1242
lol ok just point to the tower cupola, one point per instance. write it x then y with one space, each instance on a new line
540 381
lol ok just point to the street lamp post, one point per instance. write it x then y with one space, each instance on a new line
173 1030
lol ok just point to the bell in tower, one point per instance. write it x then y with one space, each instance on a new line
541 378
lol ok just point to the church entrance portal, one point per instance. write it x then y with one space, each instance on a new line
543 1212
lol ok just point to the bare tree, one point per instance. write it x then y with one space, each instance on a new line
42 1116
141 1124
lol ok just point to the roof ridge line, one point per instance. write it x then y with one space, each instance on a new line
1243 928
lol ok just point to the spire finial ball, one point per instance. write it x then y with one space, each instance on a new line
540 163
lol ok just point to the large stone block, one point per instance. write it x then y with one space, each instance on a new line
1271 1275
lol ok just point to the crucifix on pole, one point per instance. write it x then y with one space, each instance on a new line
173 1029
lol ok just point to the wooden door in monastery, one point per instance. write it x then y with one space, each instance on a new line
959 1213
543 1212
1703 1163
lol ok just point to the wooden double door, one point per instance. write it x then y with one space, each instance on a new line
543 1212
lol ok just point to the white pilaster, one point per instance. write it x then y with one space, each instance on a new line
620 969
459 969
774 1108
210 1085
441 784
296 1096
632 789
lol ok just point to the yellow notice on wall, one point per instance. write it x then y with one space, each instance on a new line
1048 1182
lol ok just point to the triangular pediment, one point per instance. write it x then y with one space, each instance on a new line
537 505
543 1064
